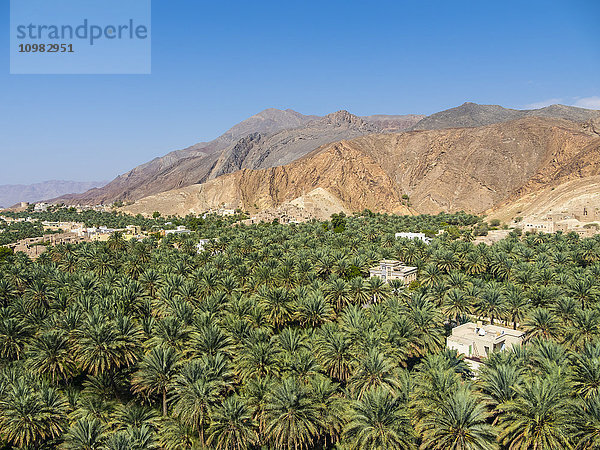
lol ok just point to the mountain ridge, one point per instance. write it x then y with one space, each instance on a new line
265 147
275 138
470 169
471 114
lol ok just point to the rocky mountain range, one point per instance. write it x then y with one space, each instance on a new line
272 137
470 169
472 158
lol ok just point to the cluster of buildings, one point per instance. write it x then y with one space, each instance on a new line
219 212
578 220
15 220
33 247
179 230
70 233
285 214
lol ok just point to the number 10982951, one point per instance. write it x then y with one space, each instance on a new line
46 48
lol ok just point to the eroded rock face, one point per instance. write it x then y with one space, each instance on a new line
470 169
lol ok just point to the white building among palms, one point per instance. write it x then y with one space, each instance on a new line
479 341
419 236
391 269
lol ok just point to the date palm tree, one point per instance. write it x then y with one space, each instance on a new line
499 382
232 426
456 304
541 323
374 370
14 335
587 420
586 371
338 293
516 305
277 303
585 328
379 421
31 414
50 354
7 291
291 416
257 358
491 304
313 310
458 423
155 372
194 393
84 434
334 352
539 416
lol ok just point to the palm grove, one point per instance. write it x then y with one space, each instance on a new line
273 337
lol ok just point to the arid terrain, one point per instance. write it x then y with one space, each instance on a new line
475 158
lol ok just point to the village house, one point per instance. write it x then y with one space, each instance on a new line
390 269
419 236
201 244
477 341
41 207
179 230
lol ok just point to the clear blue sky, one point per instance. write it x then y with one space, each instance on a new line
216 63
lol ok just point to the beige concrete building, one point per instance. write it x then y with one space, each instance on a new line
579 222
33 247
286 213
479 341
391 269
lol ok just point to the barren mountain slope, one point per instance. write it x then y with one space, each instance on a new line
146 178
347 174
256 150
470 169
475 168
393 123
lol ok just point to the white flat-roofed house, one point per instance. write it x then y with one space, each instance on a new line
391 269
419 236
479 341
179 230
41 207
201 244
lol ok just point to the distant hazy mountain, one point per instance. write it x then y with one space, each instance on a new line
474 115
11 194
